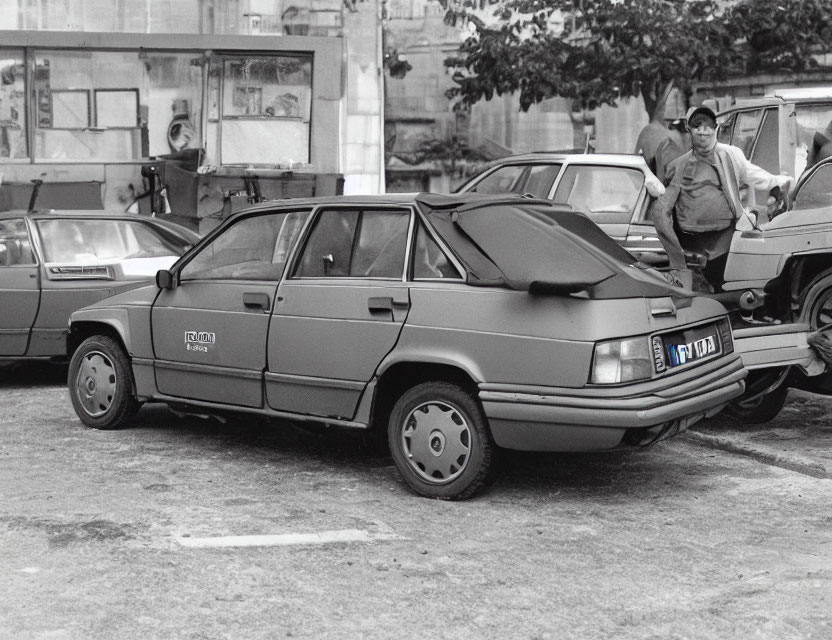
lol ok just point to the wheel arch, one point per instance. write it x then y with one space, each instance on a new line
115 326
799 271
401 375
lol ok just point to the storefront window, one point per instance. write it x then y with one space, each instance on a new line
12 105
115 106
263 114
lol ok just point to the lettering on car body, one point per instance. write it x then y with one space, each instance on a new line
199 340
658 354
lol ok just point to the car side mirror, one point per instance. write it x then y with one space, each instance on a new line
165 279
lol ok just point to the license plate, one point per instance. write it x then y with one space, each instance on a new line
688 346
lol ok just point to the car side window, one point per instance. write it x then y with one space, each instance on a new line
816 191
429 261
606 194
15 246
765 152
505 179
255 248
723 131
745 130
540 180
353 243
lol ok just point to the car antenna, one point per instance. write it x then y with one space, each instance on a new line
33 198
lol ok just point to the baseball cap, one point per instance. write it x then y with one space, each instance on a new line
706 111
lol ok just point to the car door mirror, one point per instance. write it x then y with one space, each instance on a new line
165 279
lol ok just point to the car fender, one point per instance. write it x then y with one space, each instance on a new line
118 319
412 355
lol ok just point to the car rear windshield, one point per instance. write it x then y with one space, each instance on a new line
78 240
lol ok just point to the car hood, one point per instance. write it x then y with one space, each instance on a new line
532 245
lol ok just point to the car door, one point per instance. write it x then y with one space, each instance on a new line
209 331
339 311
19 287
608 194
642 239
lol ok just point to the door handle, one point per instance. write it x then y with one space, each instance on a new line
386 303
257 301
381 303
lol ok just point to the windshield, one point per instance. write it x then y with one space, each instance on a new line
75 241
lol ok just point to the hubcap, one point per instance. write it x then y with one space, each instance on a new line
95 383
437 442
823 311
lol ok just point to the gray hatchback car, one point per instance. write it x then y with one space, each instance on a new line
460 325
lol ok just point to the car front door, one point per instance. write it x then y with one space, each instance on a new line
209 331
19 287
339 311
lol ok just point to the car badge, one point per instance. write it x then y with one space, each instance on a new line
658 355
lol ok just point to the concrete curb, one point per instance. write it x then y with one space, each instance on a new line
792 462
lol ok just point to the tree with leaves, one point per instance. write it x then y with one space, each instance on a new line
608 49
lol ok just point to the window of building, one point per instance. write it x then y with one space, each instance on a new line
94 106
12 105
259 110
138 16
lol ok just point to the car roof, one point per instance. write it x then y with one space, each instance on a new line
769 101
437 200
67 213
103 214
623 159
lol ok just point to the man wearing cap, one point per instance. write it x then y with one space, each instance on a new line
701 204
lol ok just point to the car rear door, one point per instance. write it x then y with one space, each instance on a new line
339 311
209 331
19 287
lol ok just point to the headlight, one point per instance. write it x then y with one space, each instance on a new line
622 361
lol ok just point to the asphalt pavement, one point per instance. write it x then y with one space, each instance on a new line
799 439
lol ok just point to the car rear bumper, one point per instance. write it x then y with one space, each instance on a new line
595 418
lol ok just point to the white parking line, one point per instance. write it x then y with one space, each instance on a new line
287 539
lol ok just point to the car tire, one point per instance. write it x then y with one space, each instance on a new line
765 410
440 441
100 382
816 301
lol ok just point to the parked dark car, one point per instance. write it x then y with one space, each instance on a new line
459 325
52 263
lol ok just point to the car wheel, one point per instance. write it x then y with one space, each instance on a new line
440 441
100 384
760 410
816 301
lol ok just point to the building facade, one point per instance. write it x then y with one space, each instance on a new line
213 102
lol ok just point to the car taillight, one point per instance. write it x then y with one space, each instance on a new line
80 272
621 361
